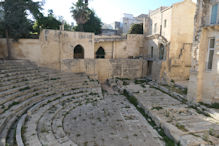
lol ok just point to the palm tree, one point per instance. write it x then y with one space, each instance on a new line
80 13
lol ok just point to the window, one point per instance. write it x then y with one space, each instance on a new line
210 53
165 23
152 52
155 27
161 52
100 53
78 52
214 12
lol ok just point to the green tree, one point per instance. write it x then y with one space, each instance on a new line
94 24
80 13
15 22
48 22
136 29
67 26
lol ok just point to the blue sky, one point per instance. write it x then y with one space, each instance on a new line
108 10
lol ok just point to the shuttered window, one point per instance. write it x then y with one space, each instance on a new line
211 49
155 27
214 14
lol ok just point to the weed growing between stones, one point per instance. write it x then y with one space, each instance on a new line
133 100
184 101
93 94
137 81
181 127
213 105
125 83
25 88
103 91
157 108
199 111
122 79
176 89
12 104
55 79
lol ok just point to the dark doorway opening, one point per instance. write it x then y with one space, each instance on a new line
100 53
78 52
149 71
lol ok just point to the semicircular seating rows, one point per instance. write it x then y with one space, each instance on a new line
34 101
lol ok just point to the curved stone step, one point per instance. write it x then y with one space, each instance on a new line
25 87
17 70
20 109
15 76
19 140
37 88
35 116
18 79
14 85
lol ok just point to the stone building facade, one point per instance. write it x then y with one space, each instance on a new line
162 52
169 33
204 85
101 57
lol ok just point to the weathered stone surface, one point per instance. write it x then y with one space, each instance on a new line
183 123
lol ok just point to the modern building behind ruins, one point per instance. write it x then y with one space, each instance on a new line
129 20
204 78
169 33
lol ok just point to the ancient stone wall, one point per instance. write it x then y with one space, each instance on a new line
135 43
51 47
22 49
113 49
103 69
55 49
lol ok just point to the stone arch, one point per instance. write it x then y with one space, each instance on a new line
100 53
161 52
78 52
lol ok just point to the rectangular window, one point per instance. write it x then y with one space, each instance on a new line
155 27
214 12
211 53
152 52
165 23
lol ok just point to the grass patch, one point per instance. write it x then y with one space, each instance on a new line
213 105
176 89
199 111
125 83
78 135
13 104
93 94
181 127
140 81
182 100
134 101
157 108
103 91
25 88
123 79
55 79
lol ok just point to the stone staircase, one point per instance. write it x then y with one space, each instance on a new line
34 101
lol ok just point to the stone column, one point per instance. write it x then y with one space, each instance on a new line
202 63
